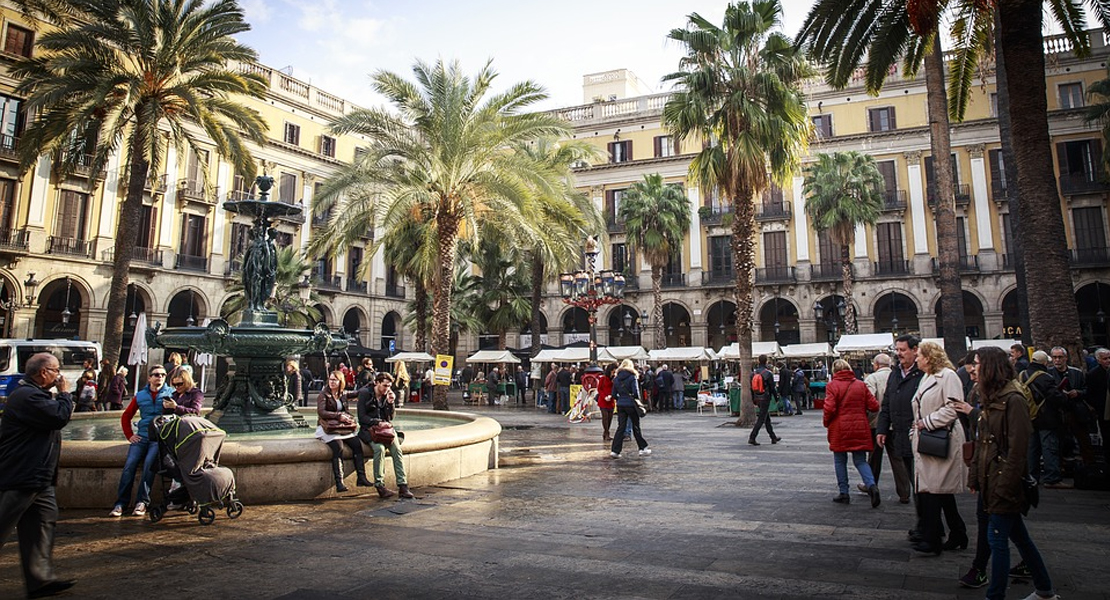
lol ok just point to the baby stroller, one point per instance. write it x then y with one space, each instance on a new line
189 463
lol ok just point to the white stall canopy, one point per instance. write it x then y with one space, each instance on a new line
692 353
821 349
492 356
865 341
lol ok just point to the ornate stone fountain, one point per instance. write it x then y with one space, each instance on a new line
253 396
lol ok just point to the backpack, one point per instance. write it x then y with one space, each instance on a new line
1026 388
759 386
659 382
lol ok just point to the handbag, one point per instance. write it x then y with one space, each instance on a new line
342 425
382 433
933 443
969 452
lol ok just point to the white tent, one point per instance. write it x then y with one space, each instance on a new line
732 351
410 357
692 353
808 350
1004 344
574 355
940 342
547 355
619 353
492 356
865 341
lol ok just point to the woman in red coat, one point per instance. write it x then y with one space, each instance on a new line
847 401
605 400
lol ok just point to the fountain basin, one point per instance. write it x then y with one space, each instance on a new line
278 470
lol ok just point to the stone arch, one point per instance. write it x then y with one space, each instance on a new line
786 314
896 311
187 303
1092 299
676 324
973 315
55 296
575 324
621 334
392 329
327 316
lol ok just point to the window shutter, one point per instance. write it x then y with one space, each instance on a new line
658 142
1096 159
893 123
998 175
1062 157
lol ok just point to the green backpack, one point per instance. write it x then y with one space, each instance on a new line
1025 387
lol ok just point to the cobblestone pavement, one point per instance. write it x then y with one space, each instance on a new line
705 516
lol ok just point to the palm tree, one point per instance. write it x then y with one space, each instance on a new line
293 310
656 217
842 35
410 249
738 93
446 149
844 189
122 78
504 299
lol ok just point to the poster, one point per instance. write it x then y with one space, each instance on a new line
444 367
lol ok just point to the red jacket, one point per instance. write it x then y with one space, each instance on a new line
847 401
605 390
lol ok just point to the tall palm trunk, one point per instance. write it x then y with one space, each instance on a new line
743 257
448 230
130 219
657 305
1009 165
846 282
420 307
537 296
948 253
1053 316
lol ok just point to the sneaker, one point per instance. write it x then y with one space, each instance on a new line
175 506
974 578
645 452
117 511
1021 570
140 510
1035 596
614 455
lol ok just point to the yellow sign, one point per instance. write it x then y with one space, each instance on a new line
444 366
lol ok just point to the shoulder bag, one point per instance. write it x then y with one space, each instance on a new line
383 433
935 442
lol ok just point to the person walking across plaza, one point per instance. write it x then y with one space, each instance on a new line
847 402
563 381
998 471
605 402
938 478
1098 394
30 443
149 403
876 382
762 392
376 406
896 417
1044 443
626 390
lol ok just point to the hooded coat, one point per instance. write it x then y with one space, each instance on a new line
847 401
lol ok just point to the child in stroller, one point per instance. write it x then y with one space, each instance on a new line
189 463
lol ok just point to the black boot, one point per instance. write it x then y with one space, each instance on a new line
403 491
337 472
360 468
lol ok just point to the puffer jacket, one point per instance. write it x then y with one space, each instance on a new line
847 401
626 388
1000 464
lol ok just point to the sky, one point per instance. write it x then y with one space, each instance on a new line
337 44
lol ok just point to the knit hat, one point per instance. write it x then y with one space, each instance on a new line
1040 357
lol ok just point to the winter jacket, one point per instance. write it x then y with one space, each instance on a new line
31 438
1053 402
876 382
188 403
149 405
116 389
1098 379
626 388
933 404
847 401
1000 452
896 414
372 410
605 393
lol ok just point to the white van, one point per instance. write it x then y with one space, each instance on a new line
71 355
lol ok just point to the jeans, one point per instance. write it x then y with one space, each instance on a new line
677 398
628 415
563 403
982 543
1002 530
859 459
398 462
33 514
147 452
1046 443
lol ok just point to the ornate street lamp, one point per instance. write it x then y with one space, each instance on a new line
589 290
66 314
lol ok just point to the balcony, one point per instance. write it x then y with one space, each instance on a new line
717 278
320 220
772 211
194 190
327 283
357 287
233 268
394 290
774 275
237 195
9 148
1082 183
14 240
1090 257
963 195
999 191
965 264
631 283
156 184
144 256
887 268
83 167
714 216
825 272
613 224
188 262
674 280
67 246
894 200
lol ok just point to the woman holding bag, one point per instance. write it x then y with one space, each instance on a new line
938 463
337 427
847 401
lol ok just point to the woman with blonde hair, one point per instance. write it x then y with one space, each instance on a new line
847 401
401 382
938 477
626 390
187 398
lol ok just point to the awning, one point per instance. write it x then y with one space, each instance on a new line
411 357
1004 344
619 353
692 353
865 341
808 350
492 356
940 342
732 351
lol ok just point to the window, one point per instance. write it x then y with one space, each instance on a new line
354 262
889 169
994 104
931 178
1089 231
822 126
327 146
623 259
881 119
240 188
19 41
193 236
1080 159
961 237
292 134
674 265
283 239
774 253
240 240
889 237
7 205
613 205
620 151
11 121
1071 95
1007 232
714 200
72 209
287 188
665 146
772 196
998 174
720 256
148 225
198 166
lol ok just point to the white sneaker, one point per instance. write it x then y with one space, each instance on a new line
140 510
611 455
117 511
645 452
1034 596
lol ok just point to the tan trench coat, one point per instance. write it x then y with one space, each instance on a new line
931 404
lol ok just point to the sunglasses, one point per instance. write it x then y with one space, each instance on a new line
157 374
178 383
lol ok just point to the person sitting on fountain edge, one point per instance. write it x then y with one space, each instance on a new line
375 404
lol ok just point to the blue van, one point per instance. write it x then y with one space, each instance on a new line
71 355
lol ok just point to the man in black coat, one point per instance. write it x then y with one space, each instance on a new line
30 442
1098 394
896 415
1048 424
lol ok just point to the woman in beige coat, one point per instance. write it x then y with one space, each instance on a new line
938 479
